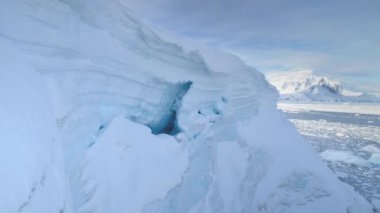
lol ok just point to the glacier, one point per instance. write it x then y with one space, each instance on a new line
99 114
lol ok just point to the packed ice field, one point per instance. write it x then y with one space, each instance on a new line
347 138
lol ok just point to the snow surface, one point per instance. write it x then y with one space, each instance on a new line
99 114
31 154
306 86
132 168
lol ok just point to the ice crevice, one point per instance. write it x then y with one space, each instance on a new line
169 124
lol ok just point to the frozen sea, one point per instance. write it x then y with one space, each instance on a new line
347 137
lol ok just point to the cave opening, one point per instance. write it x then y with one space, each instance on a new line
169 122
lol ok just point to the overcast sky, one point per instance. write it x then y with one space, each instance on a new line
337 38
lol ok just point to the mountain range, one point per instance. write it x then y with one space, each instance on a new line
306 86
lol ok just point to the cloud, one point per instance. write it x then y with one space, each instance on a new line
280 59
339 38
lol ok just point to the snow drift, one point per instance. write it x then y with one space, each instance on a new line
101 115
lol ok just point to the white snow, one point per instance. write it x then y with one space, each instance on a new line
306 86
31 154
291 82
87 94
130 167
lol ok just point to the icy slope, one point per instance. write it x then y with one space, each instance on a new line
31 154
137 162
305 86
109 82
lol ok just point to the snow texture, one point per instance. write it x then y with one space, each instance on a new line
99 114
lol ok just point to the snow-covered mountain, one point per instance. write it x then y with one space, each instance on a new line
99 114
306 86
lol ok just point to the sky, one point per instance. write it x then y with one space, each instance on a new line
336 38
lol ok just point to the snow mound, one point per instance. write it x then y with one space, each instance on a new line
306 86
132 166
138 124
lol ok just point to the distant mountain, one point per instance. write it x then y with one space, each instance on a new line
306 86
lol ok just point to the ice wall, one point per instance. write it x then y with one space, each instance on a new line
31 154
234 151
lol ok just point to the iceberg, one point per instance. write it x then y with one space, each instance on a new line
99 114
